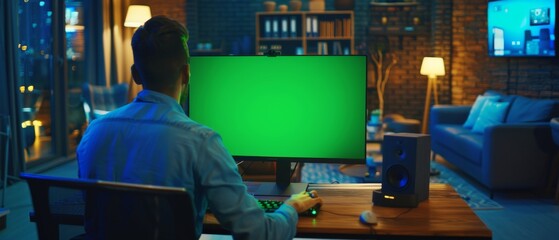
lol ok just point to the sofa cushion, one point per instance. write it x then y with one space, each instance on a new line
476 109
470 145
492 113
461 140
503 97
441 132
525 109
493 93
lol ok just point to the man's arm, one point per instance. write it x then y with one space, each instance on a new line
235 209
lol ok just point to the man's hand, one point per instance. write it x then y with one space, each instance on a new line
304 200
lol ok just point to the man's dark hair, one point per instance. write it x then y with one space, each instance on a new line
160 51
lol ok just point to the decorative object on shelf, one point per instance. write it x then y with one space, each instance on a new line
295 5
375 127
137 15
282 8
383 61
316 5
304 32
398 19
431 67
344 4
269 6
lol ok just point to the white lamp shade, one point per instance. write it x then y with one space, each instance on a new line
137 15
432 66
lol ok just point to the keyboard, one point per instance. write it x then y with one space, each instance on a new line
269 205
272 205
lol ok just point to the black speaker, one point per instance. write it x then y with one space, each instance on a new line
405 170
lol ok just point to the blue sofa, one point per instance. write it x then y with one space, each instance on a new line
514 154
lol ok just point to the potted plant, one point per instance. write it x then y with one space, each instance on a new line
383 61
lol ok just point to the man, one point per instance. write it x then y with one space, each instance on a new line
152 141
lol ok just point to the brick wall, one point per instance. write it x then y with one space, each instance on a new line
405 90
175 9
473 71
457 32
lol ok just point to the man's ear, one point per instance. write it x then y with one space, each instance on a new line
135 75
185 74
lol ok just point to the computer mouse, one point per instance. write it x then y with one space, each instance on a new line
368 217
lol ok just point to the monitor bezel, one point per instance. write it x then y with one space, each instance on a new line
283 164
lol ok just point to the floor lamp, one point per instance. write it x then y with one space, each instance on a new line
136 16
431 67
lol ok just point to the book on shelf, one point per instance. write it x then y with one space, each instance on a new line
293 28
312 26
335 28
337 48
284 27
308 26
322 48
314 30
267 28
275 27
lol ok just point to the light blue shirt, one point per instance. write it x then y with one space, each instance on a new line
152 141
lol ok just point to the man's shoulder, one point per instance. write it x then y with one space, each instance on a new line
197 128
175 121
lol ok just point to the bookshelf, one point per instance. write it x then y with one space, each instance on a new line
305 33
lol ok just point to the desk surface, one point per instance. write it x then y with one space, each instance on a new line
443 215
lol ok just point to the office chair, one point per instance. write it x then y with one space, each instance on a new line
100 100
110 210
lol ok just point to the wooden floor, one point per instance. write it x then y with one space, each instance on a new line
525 215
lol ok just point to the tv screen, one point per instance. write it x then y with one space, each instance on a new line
518 28
293 108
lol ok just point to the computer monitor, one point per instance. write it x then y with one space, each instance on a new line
283 108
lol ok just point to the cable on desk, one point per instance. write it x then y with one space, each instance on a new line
399 215
339 214
353 215
371 227
372 230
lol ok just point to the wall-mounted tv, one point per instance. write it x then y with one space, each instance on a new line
521 28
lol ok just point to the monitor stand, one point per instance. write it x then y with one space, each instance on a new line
282 187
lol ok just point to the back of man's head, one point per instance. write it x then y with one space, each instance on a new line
160 52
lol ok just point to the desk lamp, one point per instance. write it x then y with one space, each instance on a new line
431 67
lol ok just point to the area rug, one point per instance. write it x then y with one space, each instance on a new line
475 198
330 173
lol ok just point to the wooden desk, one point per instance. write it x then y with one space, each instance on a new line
444 215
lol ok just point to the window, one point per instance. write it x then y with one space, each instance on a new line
49 89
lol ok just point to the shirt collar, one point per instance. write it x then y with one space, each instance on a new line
157 97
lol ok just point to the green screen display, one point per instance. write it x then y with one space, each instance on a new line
309 108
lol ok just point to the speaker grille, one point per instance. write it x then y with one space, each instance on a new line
398 176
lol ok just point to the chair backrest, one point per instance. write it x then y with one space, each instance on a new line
100 100
111 210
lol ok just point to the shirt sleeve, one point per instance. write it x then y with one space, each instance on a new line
235 209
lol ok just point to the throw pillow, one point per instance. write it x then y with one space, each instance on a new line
476 109
492 113
531 110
